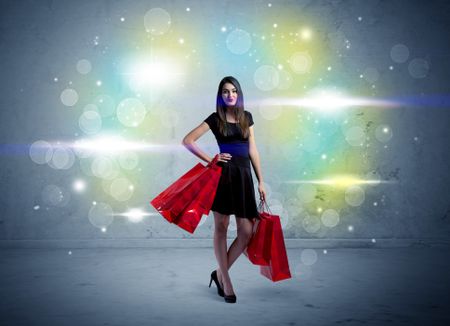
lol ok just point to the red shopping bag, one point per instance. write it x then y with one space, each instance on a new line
277 268
190 217
259 246
168 202
174 200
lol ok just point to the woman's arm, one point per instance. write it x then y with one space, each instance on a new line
191 137
254 156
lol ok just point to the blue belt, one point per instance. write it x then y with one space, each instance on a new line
240 148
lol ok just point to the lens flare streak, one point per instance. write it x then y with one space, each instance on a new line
340 181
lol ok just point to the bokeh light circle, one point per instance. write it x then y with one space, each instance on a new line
308 257
84 66
69 97
157 21
90 122
101 215
418 68
354 195
300 62
383 133
355 136
41 152
63 158
266 78
330 218
121 189
131 112
311 223
104 167
399 53
238 41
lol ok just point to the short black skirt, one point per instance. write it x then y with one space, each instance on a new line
235 192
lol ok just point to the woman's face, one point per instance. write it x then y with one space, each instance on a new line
229 94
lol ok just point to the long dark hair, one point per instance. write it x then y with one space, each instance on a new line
239 114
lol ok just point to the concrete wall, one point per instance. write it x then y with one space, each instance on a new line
44 40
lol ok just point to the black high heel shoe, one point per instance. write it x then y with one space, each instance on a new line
216 280
229 298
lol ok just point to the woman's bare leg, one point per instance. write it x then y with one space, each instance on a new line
244 234
221 223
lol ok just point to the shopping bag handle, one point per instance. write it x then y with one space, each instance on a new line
261 206
213 161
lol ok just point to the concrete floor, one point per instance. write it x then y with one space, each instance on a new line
165 286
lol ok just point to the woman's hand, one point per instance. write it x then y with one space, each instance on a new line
262 191
224 157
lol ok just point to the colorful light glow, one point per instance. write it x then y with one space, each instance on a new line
153 74
340 181
116 145
329 102
134 215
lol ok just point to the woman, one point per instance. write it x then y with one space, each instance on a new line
232 127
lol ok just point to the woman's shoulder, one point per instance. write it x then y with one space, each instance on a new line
249 116
211 119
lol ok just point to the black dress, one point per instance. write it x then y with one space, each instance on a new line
235 192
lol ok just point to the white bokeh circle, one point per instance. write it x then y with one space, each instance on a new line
84 66
101 215
330 218
308 257
69 97
121 189
300 62
266 78
418 68
131 112
311 223
238 41
63 158
355 136
157 21
399 53
41 152
90 122
383 133
354 195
